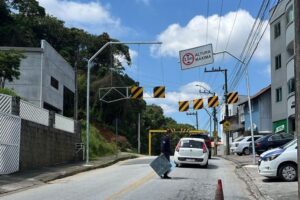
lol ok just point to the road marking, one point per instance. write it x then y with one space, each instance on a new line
132 186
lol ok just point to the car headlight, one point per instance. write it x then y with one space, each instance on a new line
272 157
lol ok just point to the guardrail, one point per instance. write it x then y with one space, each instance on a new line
64 123
34 113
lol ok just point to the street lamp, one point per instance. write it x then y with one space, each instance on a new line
88 89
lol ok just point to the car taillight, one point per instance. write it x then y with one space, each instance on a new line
178 146
204 148
257 144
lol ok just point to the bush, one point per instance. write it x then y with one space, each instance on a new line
8 91
98 145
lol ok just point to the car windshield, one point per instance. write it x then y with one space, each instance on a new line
239 139
261 139
287 145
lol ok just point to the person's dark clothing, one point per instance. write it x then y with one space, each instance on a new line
165 149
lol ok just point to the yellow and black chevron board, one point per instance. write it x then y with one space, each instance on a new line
213 101
232 97
136 92
197 104
183 106
159 92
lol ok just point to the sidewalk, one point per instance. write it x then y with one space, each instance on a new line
260 186
23 180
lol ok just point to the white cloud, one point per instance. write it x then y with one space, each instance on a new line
91 16
187 92
177 37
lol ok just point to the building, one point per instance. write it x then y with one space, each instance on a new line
261 113
47 79
236 127
282 34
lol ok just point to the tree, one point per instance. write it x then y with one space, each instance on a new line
9 65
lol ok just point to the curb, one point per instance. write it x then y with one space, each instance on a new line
243 174
47 177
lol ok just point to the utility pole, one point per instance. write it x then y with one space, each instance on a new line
196 114
210 116
214 115
116 137
297 79
76 85
226 103
139 133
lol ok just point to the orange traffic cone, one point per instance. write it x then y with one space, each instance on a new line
219 191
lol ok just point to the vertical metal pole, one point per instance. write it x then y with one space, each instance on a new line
88 114
116 137
197 125
215 132
139 133
149 143
226 113
297 80
210 125
250 113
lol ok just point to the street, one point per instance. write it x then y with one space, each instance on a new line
134 179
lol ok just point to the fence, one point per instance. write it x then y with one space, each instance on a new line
34 113
64 123
5 103
10 129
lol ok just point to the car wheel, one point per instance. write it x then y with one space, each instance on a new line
239 154
246 151
288 172
206 165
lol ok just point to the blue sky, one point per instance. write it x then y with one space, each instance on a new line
179 25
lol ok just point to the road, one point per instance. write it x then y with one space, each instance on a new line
134 179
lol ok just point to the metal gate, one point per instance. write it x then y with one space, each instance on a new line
10 131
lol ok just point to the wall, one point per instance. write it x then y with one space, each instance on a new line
265 112
54 65
45 146
28 84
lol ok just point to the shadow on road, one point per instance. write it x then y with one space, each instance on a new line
275 180
210 166
179 178
214 158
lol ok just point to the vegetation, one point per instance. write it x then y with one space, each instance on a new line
29 23
8 91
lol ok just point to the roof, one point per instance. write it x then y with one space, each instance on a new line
262 91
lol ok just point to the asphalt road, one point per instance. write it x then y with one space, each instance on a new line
134 179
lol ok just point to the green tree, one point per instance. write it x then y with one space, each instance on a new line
9 65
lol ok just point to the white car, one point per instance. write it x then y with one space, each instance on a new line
280 162
191 151
241 145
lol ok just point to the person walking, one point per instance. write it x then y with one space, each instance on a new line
165 149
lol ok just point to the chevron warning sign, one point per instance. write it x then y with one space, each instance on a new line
136 92
213 101
159 92
183 106
232 97
197 104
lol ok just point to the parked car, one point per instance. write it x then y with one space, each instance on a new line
280 162
271 141
241 146
207 142
191 151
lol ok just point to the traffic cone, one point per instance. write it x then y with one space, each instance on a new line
219 191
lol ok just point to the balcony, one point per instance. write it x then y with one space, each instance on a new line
290 68
291 104
290 36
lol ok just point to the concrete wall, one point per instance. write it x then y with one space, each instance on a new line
265 110
56 66
45 146
28 85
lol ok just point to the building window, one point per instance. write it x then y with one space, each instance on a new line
278 61
54 83
278 94
291 85
290 15
277 30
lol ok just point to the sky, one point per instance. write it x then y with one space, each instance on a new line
178 25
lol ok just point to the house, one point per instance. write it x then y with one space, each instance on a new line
47 79
261 113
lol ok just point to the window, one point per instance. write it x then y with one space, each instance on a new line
278 94
275 137
278 61
287 136
54 83
290 15
277 30
291 85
